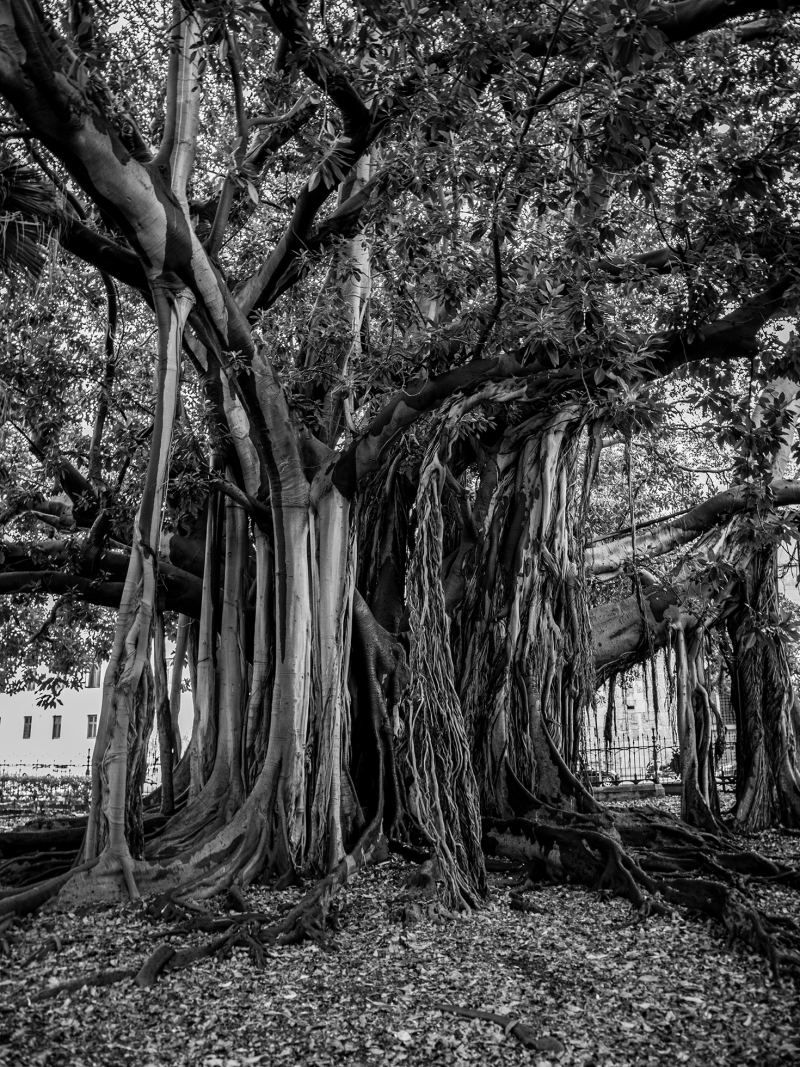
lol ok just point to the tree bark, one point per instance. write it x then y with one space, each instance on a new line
163 716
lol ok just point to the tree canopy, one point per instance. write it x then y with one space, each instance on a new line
418 368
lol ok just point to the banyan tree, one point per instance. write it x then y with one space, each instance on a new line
351 349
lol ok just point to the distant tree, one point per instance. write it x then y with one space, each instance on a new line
407 281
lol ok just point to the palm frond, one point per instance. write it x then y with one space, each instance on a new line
26 200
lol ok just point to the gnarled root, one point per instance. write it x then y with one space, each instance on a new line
658 865
24 902
309 919
108 878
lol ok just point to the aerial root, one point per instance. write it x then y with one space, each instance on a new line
126 865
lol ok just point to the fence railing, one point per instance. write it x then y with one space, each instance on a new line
51 790
30 790
654 759
631 759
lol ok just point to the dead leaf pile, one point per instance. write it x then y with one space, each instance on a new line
576 982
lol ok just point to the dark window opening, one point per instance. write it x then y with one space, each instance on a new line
91 729
56 726
26 726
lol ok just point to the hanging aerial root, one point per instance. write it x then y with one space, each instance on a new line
649 864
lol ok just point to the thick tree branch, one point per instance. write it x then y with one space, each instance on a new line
620 632
358 132
318 64
341 224
678 22
730 337
608 559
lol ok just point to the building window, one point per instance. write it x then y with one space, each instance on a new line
91 728
56 726
26 727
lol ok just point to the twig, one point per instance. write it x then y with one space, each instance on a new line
522 1032
99 978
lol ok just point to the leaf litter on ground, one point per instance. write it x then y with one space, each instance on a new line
586 981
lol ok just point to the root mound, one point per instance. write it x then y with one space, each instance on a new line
657 863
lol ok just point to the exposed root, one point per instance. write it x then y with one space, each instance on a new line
154 965
518 902
29 856
109 878
24 902
23 843
196 823
658 867
23 871
309 919
54 943
99 978
525 1034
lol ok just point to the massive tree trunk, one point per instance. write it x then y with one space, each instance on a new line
767 767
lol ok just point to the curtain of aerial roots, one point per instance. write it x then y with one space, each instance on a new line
217 784
127 686
443 794
528 673
767 777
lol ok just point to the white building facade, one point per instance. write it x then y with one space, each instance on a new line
61 738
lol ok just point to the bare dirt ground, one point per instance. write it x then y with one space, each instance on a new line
595 985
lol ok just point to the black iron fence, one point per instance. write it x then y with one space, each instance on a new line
58 790
654 759
631 759
51 790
